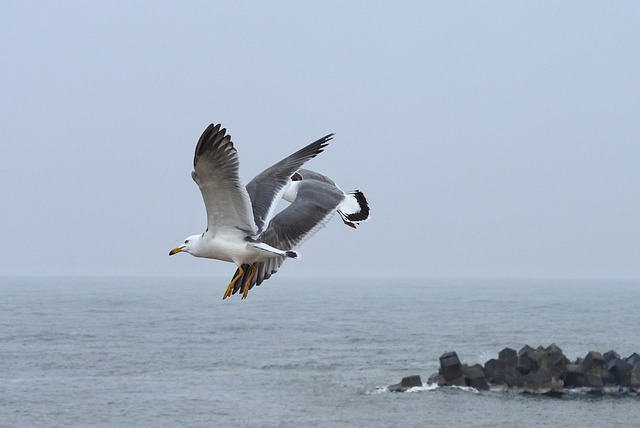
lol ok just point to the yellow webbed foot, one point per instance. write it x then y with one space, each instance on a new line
232 283
247 284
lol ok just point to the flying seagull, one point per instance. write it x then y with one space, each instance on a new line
241 225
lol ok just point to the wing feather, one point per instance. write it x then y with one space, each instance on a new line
266 188
215 171
314 205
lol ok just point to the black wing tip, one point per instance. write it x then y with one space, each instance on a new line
213 126
319 145
325 140
214 133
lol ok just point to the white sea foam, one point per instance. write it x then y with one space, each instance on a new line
424 387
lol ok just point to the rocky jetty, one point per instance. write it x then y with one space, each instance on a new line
539 371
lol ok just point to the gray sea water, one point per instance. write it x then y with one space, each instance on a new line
169 352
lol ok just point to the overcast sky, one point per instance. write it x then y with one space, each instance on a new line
492 139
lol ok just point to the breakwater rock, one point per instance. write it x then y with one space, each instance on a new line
406 384
542 371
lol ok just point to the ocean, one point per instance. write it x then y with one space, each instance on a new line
169 352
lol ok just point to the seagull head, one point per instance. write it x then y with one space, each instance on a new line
188 246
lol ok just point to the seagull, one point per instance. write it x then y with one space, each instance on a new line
315 199
242 227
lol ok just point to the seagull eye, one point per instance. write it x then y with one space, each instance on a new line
186 242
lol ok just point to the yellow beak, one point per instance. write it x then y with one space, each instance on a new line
175 251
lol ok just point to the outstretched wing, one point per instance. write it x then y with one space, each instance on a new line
266 189
314 205
215 171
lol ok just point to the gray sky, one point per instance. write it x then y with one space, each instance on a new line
492 139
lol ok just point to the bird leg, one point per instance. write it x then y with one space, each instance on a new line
348 223
245 292
232 283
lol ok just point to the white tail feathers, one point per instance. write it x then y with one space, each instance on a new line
354 209
266 247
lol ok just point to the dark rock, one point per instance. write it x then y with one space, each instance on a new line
577 377
461 381
513 378
526 349
539 355
497 372
593 362
450 367
406 384
543 371
634 377
553 349
610 356
608 379
611 374
542 381
525 365
493 370
436 379
475 377
620 370
411 381
531 360
593 380
557 358
509 357
633 359
573 376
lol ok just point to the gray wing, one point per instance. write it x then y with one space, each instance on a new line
355 208
215 171
307 174
314 206
265 190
